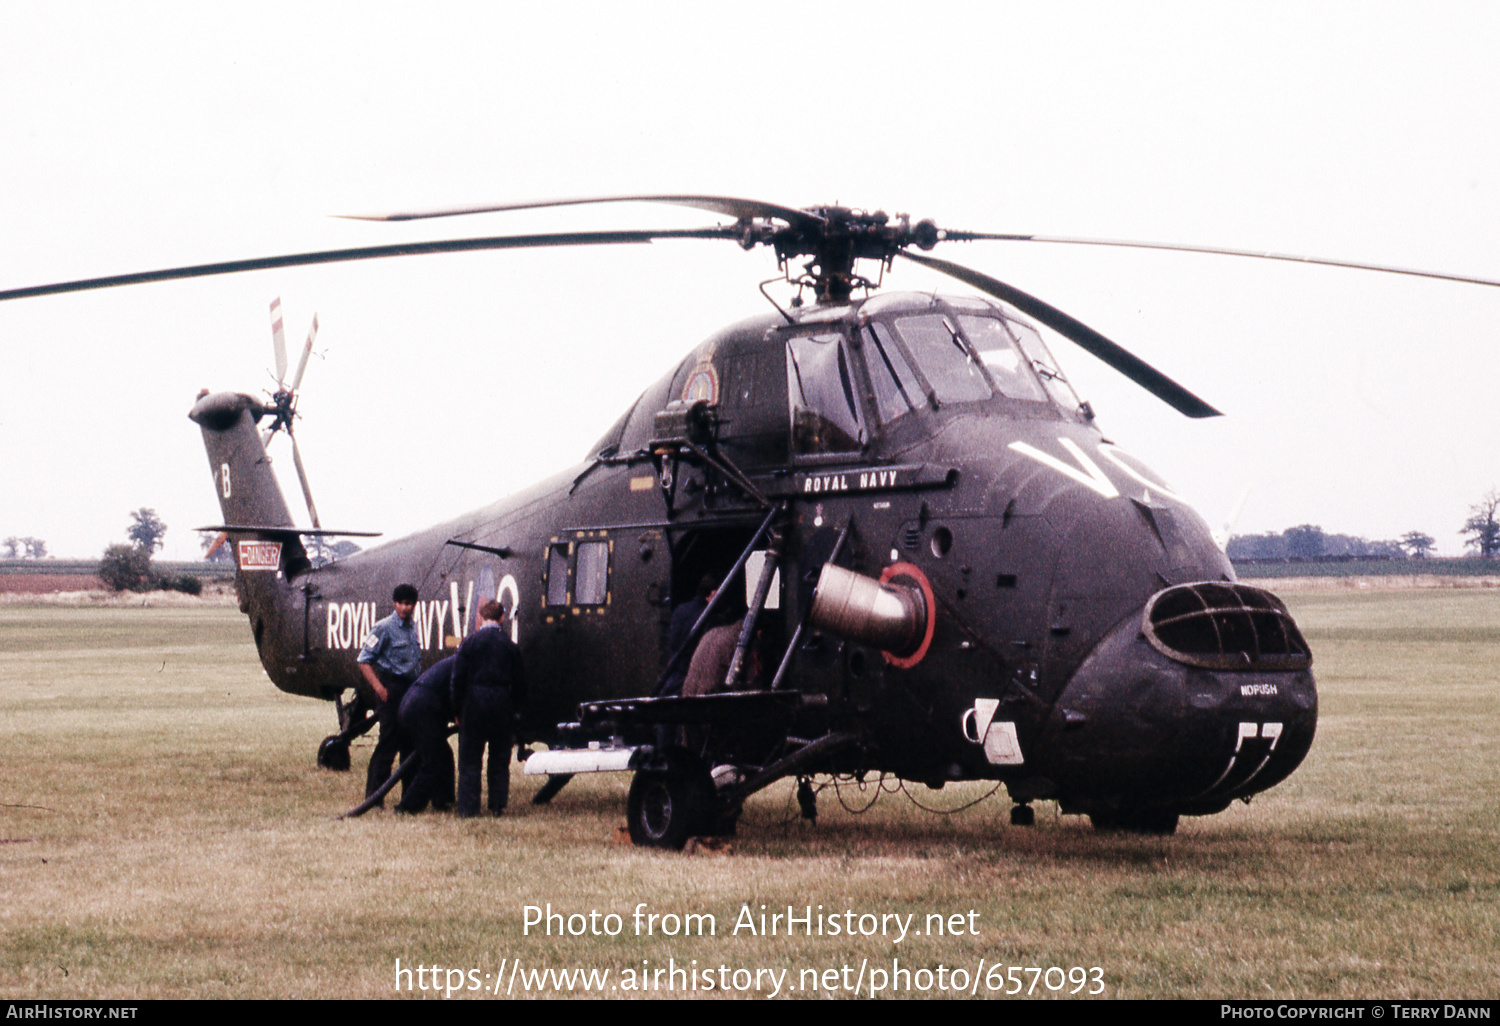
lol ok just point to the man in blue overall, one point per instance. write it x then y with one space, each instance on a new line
389 661
488 687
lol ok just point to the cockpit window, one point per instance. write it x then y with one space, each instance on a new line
1006 365
943 359
897 390
820 390
1052 377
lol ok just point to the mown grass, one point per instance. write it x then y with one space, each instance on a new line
1432 566
167 834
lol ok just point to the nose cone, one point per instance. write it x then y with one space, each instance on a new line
1144 726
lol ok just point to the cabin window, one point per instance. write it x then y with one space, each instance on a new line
820 390
1007 367
897 390
591 580
557 575
1041 359
943 359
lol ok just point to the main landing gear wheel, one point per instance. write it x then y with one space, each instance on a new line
1136 821
667 806
333 753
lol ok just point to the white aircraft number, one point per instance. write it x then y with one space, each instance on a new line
1088 473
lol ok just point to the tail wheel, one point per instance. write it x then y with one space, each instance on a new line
667 806
333 753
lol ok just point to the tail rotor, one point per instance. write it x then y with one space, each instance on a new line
284 399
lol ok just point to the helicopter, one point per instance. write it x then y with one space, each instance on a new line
941 567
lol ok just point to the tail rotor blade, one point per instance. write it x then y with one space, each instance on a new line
278 341
1121 359
312 511
306 352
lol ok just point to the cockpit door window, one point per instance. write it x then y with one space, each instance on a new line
820 392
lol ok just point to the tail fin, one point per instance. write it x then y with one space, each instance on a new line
249 495
257 521
248 492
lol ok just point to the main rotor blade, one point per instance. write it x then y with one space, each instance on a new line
333 256
312 510
739 209
278 341
1121 359
1178 247
312 333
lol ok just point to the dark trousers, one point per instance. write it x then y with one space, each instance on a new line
424 720
393 740
488 718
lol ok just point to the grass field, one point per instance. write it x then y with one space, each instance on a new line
166 834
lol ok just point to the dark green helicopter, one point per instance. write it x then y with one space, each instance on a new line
942 568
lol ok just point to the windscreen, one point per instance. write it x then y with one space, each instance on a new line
943 359
1006 365
1052 377
897 390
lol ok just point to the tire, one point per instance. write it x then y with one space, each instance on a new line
1160 822
333 754
667 806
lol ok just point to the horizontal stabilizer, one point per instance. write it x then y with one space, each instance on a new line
286 530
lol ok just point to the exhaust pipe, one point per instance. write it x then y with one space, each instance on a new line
888 616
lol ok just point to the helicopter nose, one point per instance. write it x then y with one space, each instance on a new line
1203 697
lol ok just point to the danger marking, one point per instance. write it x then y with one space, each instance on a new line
260 555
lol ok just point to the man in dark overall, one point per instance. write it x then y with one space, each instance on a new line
389 661
489 685
684 617
424 719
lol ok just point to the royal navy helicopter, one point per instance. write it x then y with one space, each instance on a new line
941 567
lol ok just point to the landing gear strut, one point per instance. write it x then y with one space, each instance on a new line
807 799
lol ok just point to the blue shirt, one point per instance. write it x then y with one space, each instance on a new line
392 647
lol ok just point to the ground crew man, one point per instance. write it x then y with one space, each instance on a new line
489 685
684 618
390 660
424 719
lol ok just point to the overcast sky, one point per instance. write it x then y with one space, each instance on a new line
149 135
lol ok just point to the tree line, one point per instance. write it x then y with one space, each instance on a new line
24 548
1481 533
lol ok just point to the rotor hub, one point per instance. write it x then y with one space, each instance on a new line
835 237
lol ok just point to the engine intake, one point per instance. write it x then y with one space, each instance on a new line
1224 626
